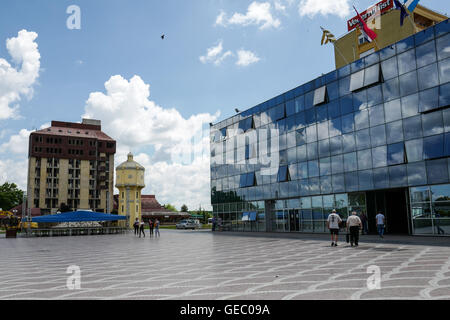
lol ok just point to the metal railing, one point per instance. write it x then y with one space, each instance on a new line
87 231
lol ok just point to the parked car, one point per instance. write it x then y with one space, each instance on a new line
189 224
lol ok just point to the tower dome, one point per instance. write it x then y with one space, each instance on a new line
130 164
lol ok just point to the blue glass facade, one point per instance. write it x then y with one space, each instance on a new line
382 122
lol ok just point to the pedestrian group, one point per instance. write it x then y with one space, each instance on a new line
139 228
354 225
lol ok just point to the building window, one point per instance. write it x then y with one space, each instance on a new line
396 154
362 39
277 113
365 78
247 180
283 174
223 133
247 124
320 96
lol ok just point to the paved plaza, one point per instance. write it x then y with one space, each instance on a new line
200 265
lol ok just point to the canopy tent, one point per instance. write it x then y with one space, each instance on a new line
249 216
78 216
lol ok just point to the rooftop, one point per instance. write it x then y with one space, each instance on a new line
76 130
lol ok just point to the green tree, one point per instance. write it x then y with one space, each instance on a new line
10 196
184 208
170 207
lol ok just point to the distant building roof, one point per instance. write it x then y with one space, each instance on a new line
76 130
151 207
34 211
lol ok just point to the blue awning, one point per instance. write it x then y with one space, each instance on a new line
78 216
249 216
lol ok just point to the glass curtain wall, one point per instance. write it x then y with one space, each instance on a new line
313 211
231 216
430 210
382 122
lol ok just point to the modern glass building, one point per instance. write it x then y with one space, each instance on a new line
371 136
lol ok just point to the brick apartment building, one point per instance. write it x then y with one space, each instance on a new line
71 164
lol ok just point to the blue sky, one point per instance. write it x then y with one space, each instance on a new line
122 38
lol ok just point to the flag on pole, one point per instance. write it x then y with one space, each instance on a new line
411 4
403 13
368 33
327 36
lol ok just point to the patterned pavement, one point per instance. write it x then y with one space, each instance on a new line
200 265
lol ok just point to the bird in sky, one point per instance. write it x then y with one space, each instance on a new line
162 37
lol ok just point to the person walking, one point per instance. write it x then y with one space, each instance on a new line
363 218
141 228
157 228
354 224
437 224
380 218
150 226
333 225
214 224
136 227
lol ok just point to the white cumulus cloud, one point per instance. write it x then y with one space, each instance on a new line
246 58
215 55
18 143
179 170
221 19
16 171
258 13
17 81
279 6
176 183
311 8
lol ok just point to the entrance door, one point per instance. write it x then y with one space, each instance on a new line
294 220
392 203
396 212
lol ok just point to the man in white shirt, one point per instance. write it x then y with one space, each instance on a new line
380 223
354 224
333 225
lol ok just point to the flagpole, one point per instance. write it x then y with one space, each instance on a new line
412 22
410 6
361 29
333 41
339 51
376 42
